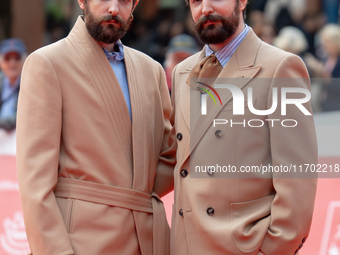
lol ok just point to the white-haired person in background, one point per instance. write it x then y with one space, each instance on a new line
328 67
293 40
330 42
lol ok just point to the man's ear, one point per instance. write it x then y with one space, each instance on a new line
243 4
81 4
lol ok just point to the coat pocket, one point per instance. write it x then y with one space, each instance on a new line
249 223
67 206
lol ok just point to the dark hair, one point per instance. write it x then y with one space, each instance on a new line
243 12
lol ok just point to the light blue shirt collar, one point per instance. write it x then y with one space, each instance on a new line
116 55
227 51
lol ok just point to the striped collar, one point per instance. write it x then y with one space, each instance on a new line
227 51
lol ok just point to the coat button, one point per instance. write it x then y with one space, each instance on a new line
184 173
300 246
210 211
210 172
218 133
180 212
179 136
304 240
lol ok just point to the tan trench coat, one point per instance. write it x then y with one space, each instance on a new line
86 170
220 214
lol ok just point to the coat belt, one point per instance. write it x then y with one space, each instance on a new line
136 201
104 194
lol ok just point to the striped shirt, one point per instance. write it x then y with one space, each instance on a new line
227 51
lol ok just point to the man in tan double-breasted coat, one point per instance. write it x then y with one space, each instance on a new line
93 124
233 191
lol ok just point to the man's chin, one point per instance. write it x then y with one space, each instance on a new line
210 38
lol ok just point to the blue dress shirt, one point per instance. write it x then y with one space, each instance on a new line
116 60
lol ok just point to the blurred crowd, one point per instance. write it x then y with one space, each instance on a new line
311 30
163 29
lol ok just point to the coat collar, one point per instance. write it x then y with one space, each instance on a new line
241 68
129 135
95 63
140 126
245 55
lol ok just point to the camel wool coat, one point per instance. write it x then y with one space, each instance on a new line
233 213
90 177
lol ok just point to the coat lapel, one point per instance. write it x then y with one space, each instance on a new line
103 78
239 71
188 95
138 100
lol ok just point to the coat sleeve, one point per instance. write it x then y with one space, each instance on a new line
164 182
292 207
38 143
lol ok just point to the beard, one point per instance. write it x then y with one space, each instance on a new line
217 33
109 34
